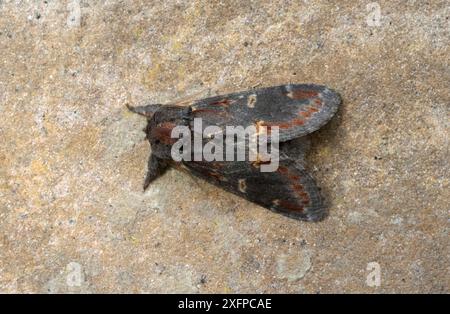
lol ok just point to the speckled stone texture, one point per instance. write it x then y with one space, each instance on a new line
74 218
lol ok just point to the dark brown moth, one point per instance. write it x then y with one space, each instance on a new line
296 110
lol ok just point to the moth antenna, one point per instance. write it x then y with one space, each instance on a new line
146 111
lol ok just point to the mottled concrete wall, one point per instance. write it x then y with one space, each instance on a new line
73 217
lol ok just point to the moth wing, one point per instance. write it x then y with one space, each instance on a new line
296 109
290 190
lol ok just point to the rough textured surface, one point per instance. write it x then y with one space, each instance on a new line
73 217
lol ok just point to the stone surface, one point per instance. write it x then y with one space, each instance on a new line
73 217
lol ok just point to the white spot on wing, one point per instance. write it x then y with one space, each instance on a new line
251 100
242 185
289 90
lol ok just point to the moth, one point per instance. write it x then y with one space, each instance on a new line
294 110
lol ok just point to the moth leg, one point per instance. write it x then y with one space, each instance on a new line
146 111
156 167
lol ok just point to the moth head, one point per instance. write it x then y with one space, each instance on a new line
160 126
